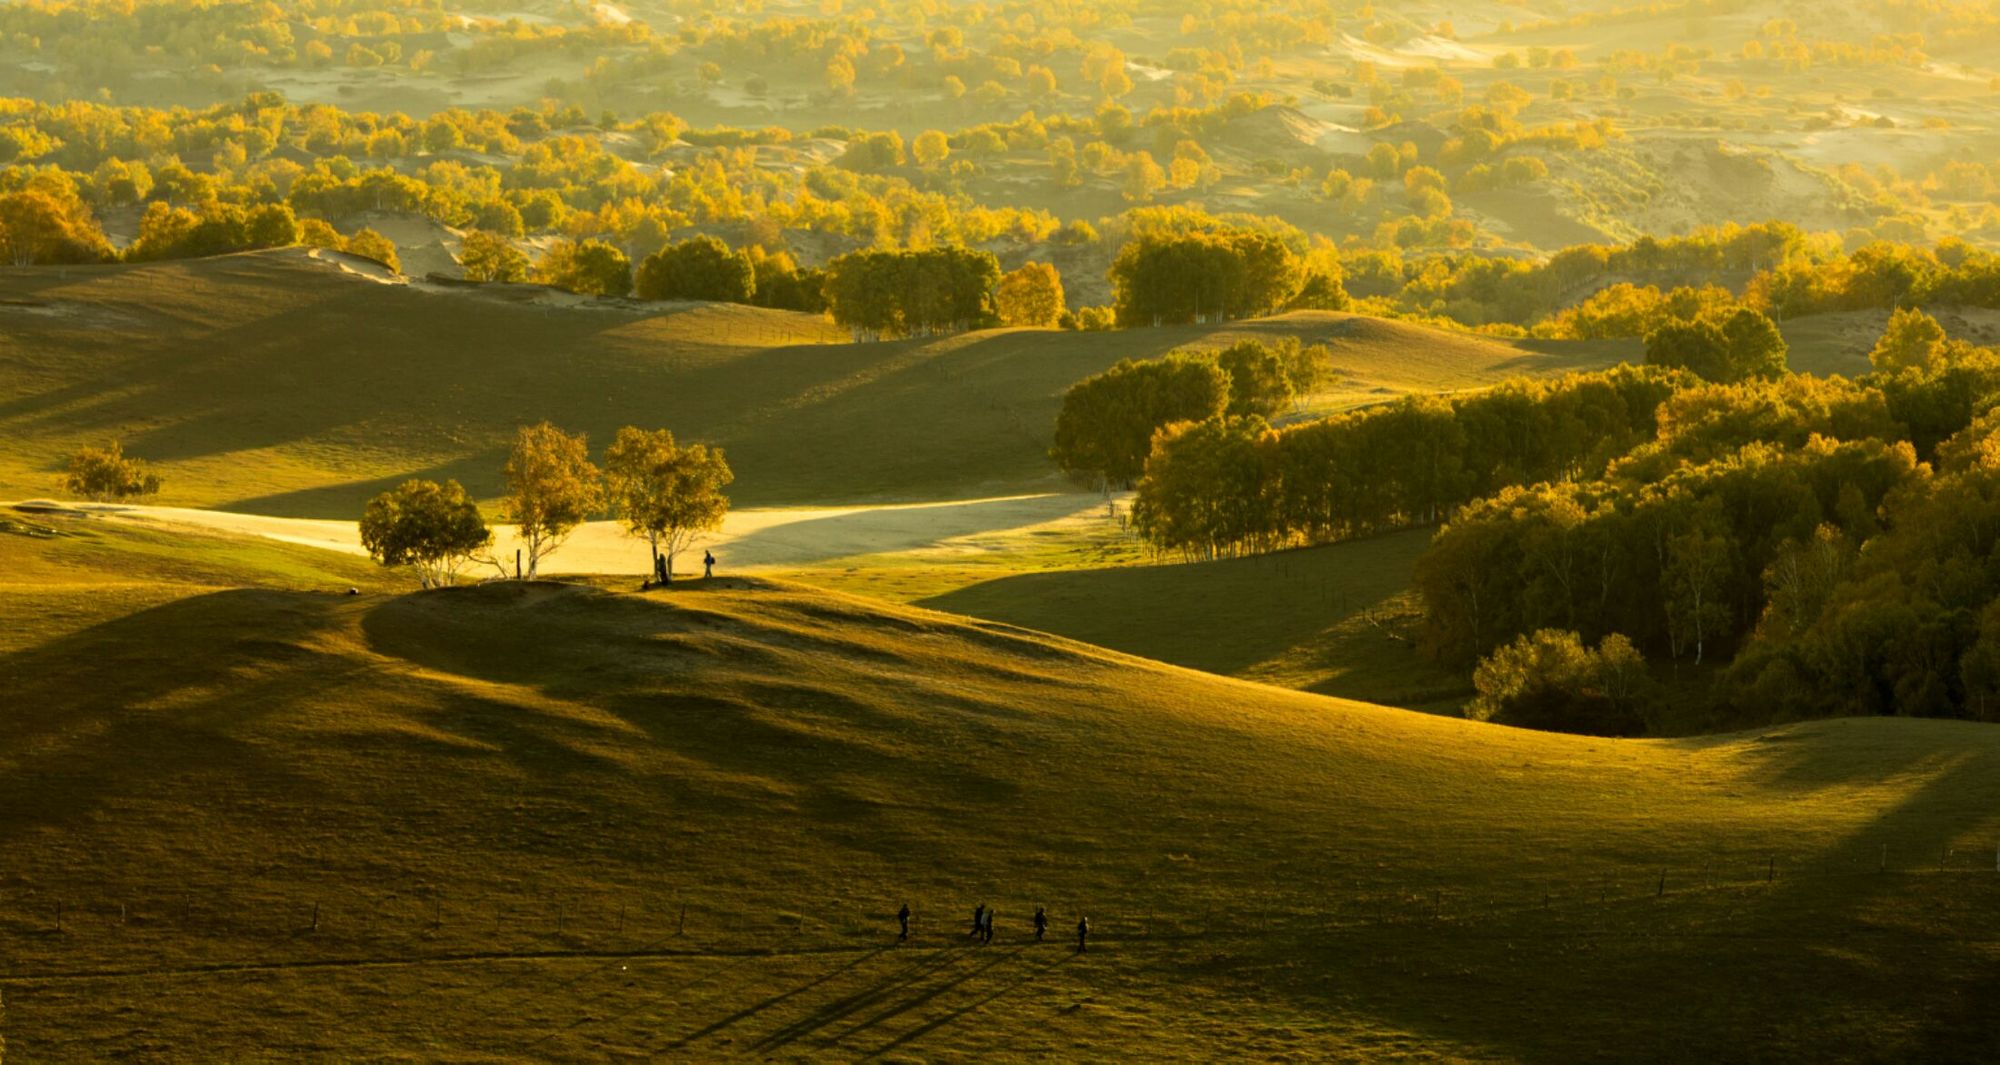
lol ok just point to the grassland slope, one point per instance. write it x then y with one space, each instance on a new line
538 821
278 383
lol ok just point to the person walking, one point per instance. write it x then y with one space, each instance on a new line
707 564
987 937
978 920
1041 923
1082 934
903 918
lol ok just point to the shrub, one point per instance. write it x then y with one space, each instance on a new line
1550 680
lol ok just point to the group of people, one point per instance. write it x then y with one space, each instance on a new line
982 925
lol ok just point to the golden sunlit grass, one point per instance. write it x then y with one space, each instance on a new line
501 797
274 383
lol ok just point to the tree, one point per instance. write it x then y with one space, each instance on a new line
105 474
1696 346
667 493
435 528
1912 340
372 245
700 268
1743 345
1756 348
1698 562
491 257
931 148
551 488
1031 296
590 268
1143 177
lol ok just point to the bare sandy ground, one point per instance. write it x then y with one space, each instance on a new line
750 539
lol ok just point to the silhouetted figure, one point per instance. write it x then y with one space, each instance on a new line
708 565
1041 923
987 936
660 569
903 918
1082 934
978 920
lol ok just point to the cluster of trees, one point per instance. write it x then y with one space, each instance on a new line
1825 544
1209 276
49 225
1675 565
666 493
879 294
1223 485
1108 422
1903 622
1550 680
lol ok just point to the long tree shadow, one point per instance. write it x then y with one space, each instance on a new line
130 702
1222 617
914 978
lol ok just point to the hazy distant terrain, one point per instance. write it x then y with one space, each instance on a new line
1416 532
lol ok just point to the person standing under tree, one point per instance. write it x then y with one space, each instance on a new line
660 570
707 565
1082 934
903 918
1041 923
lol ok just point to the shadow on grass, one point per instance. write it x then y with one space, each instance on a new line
1223 617
157 695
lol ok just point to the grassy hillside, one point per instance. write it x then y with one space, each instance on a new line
1333 620
280 384
503 802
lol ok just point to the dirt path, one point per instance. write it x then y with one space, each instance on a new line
770 537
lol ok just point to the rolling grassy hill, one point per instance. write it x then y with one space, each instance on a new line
543 821
278 383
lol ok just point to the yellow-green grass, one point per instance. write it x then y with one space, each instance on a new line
275 383
1337 620
500 799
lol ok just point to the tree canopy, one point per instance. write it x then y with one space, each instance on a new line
552 487
434 528
667 493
